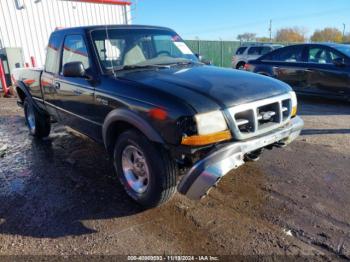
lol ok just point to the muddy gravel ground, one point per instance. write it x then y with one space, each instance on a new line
60 197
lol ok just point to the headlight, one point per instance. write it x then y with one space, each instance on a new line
211 128
210 123
294 103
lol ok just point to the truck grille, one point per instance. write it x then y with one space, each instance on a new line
259 117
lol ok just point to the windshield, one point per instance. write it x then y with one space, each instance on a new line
120 48
345 49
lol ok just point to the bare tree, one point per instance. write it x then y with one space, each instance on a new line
246 37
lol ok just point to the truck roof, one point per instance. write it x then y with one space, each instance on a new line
83 29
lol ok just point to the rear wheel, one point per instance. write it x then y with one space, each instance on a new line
145 169
240 66
38 124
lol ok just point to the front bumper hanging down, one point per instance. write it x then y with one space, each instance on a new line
207 172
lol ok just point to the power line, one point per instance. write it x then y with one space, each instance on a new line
305 16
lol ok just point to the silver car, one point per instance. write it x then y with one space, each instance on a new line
246 53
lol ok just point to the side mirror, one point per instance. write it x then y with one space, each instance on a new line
339 62
206 61
74 69
203 60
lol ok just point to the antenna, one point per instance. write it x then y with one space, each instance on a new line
107 38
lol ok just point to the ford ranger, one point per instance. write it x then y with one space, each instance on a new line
158 111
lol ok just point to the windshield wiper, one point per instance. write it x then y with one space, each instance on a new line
181 63
131 67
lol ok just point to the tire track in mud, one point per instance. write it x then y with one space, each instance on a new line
319 240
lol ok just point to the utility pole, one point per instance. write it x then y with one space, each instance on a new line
344 26
222 52
270 30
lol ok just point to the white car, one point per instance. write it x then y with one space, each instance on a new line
246 53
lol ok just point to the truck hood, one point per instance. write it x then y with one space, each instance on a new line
205 87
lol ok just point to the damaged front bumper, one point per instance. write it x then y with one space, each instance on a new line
207 172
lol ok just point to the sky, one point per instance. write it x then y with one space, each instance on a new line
225 19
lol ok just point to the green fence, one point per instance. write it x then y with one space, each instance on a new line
219 52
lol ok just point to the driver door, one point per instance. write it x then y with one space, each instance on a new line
76 94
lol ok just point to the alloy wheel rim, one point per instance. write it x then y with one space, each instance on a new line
31 119
135 169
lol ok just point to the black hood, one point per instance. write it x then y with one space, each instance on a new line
208 86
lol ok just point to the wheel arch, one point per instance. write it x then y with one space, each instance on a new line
119 120
22 91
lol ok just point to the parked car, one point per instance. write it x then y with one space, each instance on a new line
142 93
246 53
315 69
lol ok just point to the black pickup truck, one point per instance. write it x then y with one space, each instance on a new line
159 111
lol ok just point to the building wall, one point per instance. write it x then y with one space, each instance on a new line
28 23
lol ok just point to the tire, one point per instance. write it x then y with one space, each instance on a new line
38 124
155 184
240 65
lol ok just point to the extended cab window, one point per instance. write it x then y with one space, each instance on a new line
51 63
74 50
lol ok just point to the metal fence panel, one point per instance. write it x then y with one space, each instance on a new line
219 52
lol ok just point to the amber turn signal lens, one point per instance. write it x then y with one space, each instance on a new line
294 111
201 140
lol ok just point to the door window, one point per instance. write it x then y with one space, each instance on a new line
259 50
265 50
321 55
240 50
254 50
290 54
74 50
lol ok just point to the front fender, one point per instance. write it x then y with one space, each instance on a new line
127 116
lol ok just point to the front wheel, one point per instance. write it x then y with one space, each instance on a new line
145 169
38 124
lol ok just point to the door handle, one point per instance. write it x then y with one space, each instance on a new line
57 85
309 70
275 70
